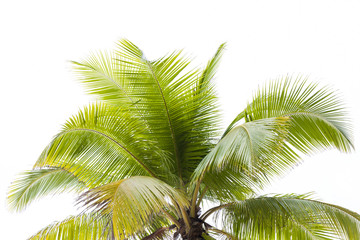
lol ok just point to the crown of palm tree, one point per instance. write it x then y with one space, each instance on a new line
147 154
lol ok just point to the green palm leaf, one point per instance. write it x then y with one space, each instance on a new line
94 227
132 202
317 114
103 144
245 158
34 184
99 76
178 107
81 227
287 217
246 145
315 121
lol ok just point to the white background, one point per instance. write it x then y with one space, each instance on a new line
266 39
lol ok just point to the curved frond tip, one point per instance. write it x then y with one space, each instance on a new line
81 227
34 184
287 217
318 116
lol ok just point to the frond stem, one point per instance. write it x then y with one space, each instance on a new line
171 218
186 218
212 210
177 157
158 232
221 232
202 196
193 202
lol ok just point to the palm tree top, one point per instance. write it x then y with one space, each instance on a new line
150 150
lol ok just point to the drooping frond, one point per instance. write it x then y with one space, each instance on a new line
34 184
246 146
315 120
81 227
318 119
245 158
132 202
96 227
286 217
101 144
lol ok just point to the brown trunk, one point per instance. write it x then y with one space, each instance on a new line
195 232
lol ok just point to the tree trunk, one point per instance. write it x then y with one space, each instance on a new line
195 232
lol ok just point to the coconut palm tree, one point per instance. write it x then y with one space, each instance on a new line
150 151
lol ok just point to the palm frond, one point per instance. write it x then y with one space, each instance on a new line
318 118
81 227
179 107
203 122
228 185
98 74
34 184
246 145
132 202
245 159
103 143
150 83
287 217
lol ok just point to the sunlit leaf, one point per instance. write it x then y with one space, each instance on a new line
34 184
132 202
